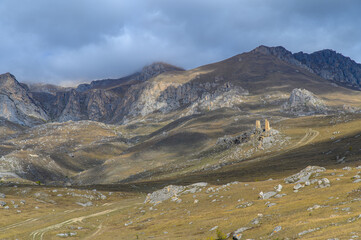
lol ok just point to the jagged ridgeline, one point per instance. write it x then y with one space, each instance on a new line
164 121
160 87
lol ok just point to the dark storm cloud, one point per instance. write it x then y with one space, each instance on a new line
63 41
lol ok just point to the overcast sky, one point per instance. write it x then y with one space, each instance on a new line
72 41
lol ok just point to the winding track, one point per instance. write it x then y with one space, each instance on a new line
8 227
39 234
309 137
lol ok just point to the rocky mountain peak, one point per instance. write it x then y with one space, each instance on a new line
281 53
278 51
155 69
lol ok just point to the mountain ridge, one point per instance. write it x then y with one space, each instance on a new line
165 88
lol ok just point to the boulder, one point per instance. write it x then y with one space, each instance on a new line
267 195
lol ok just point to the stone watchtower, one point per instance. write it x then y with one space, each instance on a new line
258 124
266 126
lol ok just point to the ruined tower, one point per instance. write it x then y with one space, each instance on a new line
258 124
266 125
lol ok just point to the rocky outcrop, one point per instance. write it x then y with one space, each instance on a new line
333 66
195 96
17 105
173 192
303 102
96 105
226 95
304 175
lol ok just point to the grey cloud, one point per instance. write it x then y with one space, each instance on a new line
74 41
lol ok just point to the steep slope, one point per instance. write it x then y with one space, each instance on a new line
17 105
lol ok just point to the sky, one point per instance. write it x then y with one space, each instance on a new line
67 42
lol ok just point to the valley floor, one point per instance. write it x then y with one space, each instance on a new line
312 212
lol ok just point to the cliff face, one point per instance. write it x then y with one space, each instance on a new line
97 105
17 105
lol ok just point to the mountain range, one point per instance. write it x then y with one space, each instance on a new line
161 87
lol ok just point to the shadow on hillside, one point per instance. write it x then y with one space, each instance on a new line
258 169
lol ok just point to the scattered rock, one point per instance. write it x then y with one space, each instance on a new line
244 205
280 195
257 220
271 204
278 188
128 223
298 186
237 235
173 191
304 175
267 195
276 230
71 234
308 231
324 182
87 204
213 228
314 207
